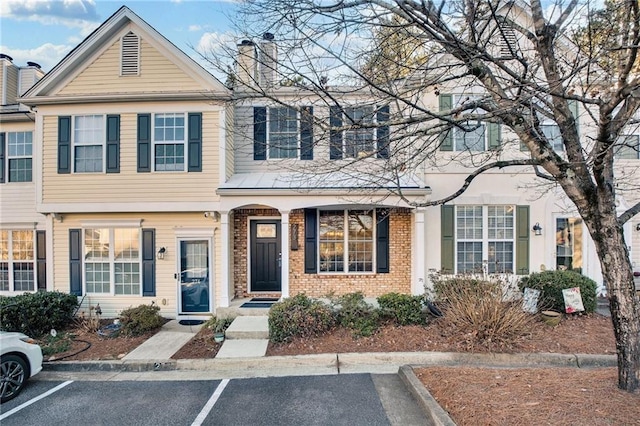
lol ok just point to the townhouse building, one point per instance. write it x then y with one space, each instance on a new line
152 182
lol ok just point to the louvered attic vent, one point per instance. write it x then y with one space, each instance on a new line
508 41
130 60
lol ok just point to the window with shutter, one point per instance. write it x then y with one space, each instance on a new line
130 59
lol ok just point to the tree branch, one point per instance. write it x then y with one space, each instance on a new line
624 217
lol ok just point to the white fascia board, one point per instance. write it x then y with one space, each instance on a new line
142 207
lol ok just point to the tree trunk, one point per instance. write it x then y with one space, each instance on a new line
623 301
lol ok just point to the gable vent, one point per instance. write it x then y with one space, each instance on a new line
130 60
508 41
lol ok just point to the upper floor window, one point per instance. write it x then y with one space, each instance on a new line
88 143
485 236
112 260
17 260
130 54
18 161
282 138
471 135
282 132
169 139
629 149
365 133
553 135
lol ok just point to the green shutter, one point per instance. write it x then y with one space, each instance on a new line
194 149
64 145
149 262
113 144
446 139
144 142
575 111
522 240
447 235
75 261
494 135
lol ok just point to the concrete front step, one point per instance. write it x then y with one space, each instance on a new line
243 348
248 327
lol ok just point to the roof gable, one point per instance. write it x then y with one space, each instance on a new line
93 67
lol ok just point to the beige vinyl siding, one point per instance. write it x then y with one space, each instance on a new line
157 75
165 225
129 185
2 74
10 84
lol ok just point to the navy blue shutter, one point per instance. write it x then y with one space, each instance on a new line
383 132
382 242
144 142
306 133
149 262
195 142
113 144
259 133
64 145
310 241
3 157
335 136
75 262
41 260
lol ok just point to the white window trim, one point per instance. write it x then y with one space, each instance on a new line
298 136
485 237
345 253
10 261
154 143
9 157
111 262
103 143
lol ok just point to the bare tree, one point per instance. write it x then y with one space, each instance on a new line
522 63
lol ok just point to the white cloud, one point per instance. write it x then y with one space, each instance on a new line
194 28
47 55
74 13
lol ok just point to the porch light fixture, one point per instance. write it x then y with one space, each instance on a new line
537 229
638 227
161 253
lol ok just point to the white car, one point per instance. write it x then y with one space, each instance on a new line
21 358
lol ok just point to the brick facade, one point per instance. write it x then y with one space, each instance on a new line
318 285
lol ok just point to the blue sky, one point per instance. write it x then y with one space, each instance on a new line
44 31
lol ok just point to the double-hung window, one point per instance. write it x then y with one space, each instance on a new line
20 152
169 139
112 260
359 141
346 240
629 148
485 236
88 143
283 134
553 135
469 133
17 260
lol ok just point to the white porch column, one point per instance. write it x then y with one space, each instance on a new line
419 252
284 246
226 286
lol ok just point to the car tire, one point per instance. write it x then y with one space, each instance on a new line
15 373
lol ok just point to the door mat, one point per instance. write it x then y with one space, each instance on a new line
190 322
264 299
257 304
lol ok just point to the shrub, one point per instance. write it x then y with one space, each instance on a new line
353 312
36 314
404 309
551 284
479 313
218 324
299 316
141 319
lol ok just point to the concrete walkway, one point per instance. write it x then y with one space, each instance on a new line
162 345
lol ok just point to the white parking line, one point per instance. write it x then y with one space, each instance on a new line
210 403
36 399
